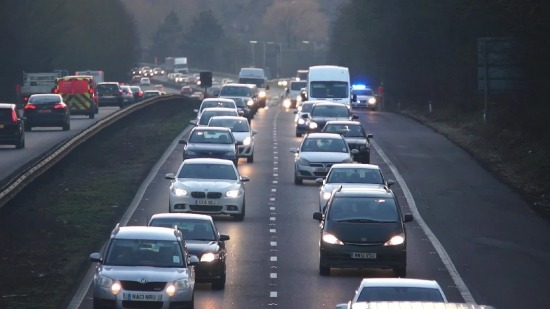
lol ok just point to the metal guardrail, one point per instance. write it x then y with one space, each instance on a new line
18 180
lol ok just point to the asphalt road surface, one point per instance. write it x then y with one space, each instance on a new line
475 236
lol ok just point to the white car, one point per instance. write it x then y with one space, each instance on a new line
395 290
214 102
317 153
350 175
145 81
208 186
210 112
241 130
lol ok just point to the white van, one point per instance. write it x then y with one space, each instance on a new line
257 77
329 83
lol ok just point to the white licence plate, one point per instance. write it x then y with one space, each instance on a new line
363 255
206 202
322 170
142 297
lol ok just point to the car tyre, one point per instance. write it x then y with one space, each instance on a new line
400 272
250 159
240 217
297 180
21 143
66 126
219 284
92 115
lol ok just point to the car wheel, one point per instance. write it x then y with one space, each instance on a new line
92 115
297 180
66 126
21 143
250 159
190 304
240 217
400 272
219 284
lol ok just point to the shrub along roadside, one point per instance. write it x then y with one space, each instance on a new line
49 229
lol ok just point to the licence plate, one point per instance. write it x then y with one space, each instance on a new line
206 202
363 255
45 111
322 170
142 297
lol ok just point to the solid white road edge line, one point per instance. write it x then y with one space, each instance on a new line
79 295
461 286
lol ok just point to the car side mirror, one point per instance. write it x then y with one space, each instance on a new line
193 260
408 218
223 237
254 132
196 110
319 180
245 178
389 183
95 257
318 216
370 136
295 112
170 176
193 122
183 142
305 116
303 96
354 151
354 117
294 150
353 98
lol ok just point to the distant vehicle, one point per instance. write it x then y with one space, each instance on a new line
294 91
138 93
300 119
247 91
35 83
242 106
136 79
257 77
396 290
47 110
214 102
326 111
99 76
158 71
160 88
186 91
151 93
12 131
241 130
79 92
210 112
176 65
301 75
145 81
355 136
363 97
329 82
127 95
210 142
110 94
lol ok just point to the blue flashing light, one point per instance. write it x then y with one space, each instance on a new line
358 86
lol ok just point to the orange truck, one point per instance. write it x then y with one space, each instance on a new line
78 92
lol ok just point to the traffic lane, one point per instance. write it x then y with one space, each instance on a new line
41 139
248 248
490 233
298 235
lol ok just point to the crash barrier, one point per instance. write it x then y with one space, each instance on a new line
24 176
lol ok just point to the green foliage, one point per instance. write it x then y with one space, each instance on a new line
168 38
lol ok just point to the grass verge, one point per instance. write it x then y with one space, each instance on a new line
50 228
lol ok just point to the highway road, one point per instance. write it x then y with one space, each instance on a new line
471 233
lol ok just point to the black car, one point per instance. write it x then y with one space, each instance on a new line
355 136
110 94
203 240
363 228
211 142
138 93
47 110
242 106
11 126
326 111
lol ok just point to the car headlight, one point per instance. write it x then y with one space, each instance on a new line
331 239
182 284
105 282
232 193
372 100
229 153
327 195
250 102
247 141
262 94
209 257
303 161
301 121
395 240
179 192
313 125
286 103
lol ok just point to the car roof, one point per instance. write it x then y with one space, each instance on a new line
144 232
219 109
239 85
181 216
207 161
217 100
401 282
325 103
356 165
45 95
211 129
343 122
323 135
109 83
230 117
365 191
152 91
7 105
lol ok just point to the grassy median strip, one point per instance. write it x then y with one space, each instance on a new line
48 231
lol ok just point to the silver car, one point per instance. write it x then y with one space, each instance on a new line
350 175
208 186
242 132
142 266
317 153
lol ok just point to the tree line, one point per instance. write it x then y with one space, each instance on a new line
427 51
40 36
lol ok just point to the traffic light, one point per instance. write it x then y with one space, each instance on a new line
206 79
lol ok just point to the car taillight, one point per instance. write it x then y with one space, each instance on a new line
13 116
30 106
140 93
119 92
56 90
60 105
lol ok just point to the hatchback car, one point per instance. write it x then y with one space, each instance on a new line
241 130
110 94
214 102
325 111
138 93
151 94
363 228
395 290
203 241
127 95
186 91
350 175
145 81
12 130
143 266
210 112
317 153
299 120
211 142
208 186
355 136
47 110
364 97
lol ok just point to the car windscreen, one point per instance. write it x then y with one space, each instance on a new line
345 130
211 137
297 85
107 88
208 171
355 175
236 125
259 82
239 102
44 99
194 229
226 104
235 91
5 115
329 89
324 145
206 115
366 92
330 111
135 89
144 252
362 209
306 108
390 293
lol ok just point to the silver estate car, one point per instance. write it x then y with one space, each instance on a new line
144 267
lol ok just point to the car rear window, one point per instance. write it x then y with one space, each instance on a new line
391 293
205 117
5 114
107 87
44 100
236 125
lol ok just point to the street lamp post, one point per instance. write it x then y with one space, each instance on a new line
277 56
314 50
252 43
